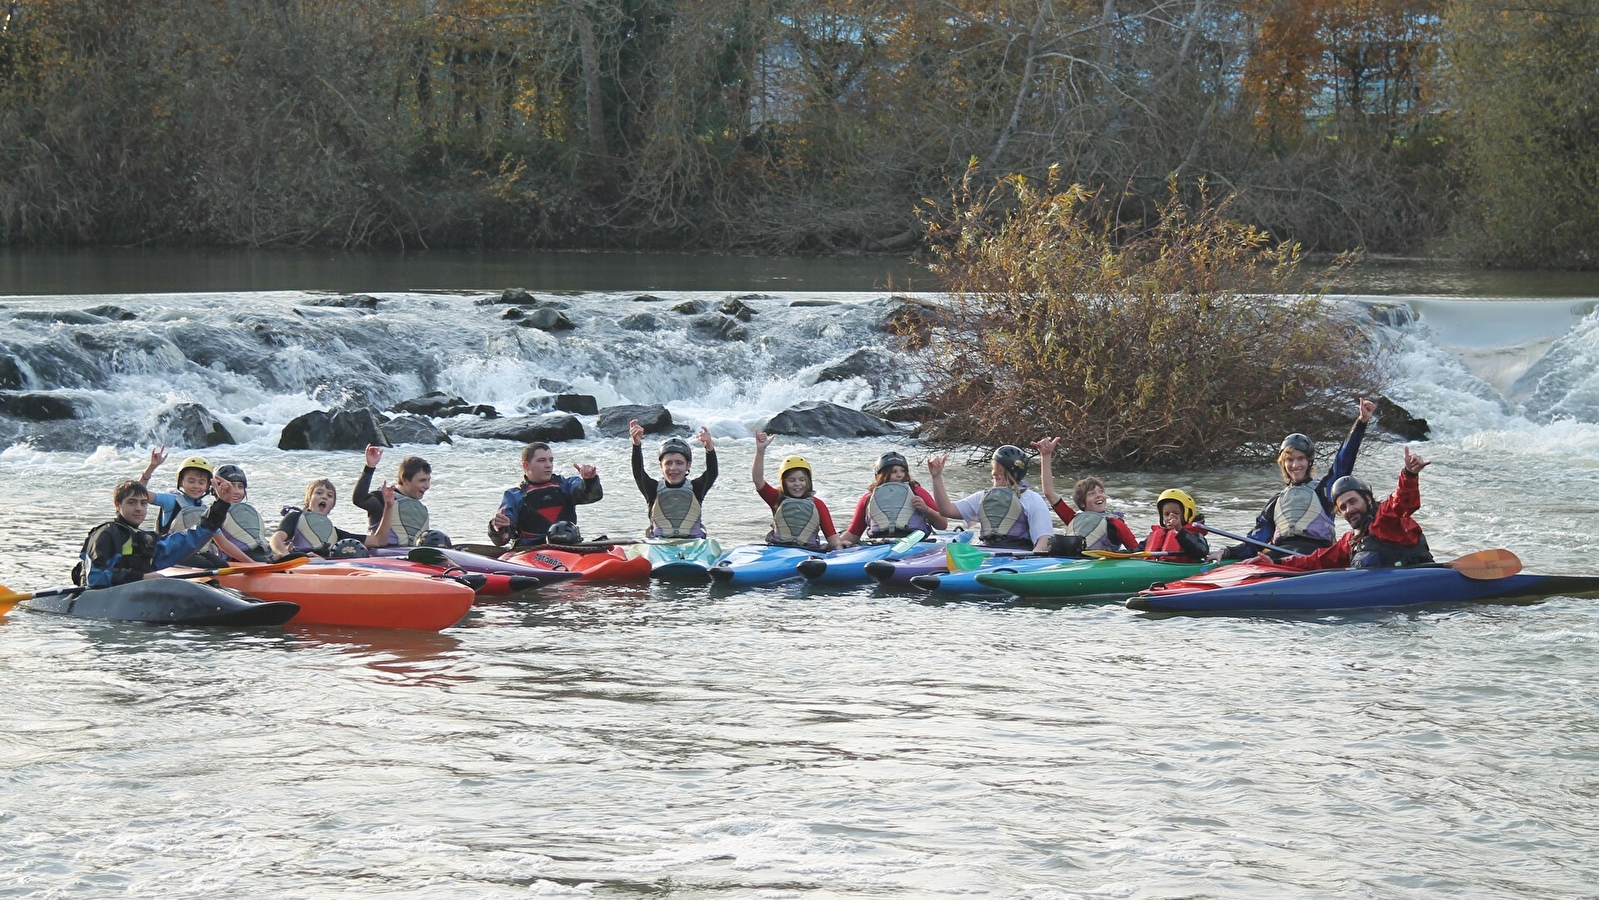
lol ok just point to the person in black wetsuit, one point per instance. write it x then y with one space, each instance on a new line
674 499
119 551
527 511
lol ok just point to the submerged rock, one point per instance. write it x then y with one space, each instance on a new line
413 429
547 320
640 322
1400 422
430 404
11 373
340 429
820 418
737 308
354 301
613 420
526 429
900 409
717 327
40 407
189 425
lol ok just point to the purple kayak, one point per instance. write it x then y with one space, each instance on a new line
472 562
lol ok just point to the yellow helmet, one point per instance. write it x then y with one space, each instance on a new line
1190 508
793 462
195 462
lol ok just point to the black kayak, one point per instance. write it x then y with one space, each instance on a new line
167 601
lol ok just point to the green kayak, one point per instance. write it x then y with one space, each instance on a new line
1089 578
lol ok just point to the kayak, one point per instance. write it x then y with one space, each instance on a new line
965 584
472 562
753 564
1255 587
360 597
486 584
1083 578
930 560
670 560
611 564
167 601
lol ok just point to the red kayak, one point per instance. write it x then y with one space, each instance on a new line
1246 572
370 598
612 564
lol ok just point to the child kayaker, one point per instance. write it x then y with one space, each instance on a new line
527 512
240 538
894 506
1008 514
182 509
674 499
799 517
1383 534
120 551
309 528
1176 533
1100 527
410 517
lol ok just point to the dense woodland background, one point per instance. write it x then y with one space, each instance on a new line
1468 127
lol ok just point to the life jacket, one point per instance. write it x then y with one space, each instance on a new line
531 522
1368 552
1164 540
136 554
796 521
1001 520
242 528
184 518
1094 529
410 520
675 512
314 531
1300 514
891 512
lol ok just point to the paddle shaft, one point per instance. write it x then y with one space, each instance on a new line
9 596
1248 540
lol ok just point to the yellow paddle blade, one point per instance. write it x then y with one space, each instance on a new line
1113 554
1486 565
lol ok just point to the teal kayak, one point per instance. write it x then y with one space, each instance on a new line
1082 578
689 560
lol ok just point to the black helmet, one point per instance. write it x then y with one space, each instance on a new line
563 532
1012 461
890 459
1346 484
1303 444
348 548
433 538
234 474
675 445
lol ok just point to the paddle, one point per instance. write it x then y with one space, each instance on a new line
964 557
1248 540
1486 565
904 544
1136 554
8 596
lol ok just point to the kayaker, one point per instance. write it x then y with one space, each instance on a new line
1383 534
120 551
410 516
1100 527
1300 516
894 506
182 509
799 517
240 538
1008 514
673 500
528 511
309 528
1176 534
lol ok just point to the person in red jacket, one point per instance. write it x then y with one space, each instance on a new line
1383 534
1177 535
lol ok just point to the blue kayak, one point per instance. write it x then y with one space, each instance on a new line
689 560
748 565
951 585
1350 589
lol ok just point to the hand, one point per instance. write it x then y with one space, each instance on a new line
1413 463
158 456
501 520
374 455
763 440
635 431
585 472
704 437
935 465
1046 446
918 504
225 490
1367 409
387 490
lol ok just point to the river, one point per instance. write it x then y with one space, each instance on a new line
692 742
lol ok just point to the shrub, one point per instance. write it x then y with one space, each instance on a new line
1188 341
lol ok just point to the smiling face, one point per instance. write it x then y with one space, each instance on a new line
416 485
538 467
896 473
1353 507
194 483
796 482
323 498
998 472
1296 466
133 509
674 468
1094 500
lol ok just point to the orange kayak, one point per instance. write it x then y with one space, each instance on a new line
367 598
609 565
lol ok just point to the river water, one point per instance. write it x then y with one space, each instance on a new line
656 740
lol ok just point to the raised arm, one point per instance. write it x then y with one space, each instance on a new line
1046 464
935 474
758 467
158 456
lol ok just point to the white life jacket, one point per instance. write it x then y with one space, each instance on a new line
314 531
1094 528
242 527
410 520
675 512
797 521
1002 519
890 511
186 517
1299 513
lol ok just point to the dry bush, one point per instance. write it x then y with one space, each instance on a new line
1190 342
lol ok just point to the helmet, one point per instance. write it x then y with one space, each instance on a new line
793 462
1346 484
563 532
889 460
232 473
195 462
1190 508
675 445
433 538
1297 441
348 548
1012 461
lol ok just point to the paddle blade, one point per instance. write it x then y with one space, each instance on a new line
1486 565
8 597
281 565
1113 554
905 543
965 557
